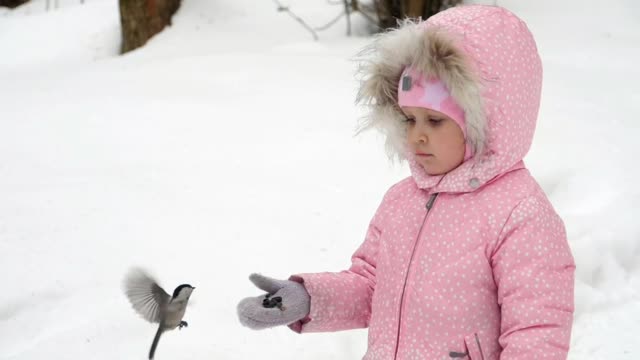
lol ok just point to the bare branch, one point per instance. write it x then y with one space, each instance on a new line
297 18
330 23
369 18
347 8
350 7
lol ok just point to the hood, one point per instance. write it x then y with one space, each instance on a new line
487 58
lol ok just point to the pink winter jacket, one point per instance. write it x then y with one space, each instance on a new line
473 264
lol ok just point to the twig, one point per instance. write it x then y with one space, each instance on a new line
364 10
297 18
347 8
368 17
328 25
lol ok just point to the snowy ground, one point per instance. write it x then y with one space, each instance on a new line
225 146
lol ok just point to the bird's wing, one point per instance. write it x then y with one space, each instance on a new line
145 295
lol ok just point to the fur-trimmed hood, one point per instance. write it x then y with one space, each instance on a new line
489 62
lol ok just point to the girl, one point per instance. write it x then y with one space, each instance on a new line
466 258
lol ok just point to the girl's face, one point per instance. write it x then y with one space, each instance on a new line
435 139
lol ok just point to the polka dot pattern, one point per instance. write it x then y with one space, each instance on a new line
490 267
487 271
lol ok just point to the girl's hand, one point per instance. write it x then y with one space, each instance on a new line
284 303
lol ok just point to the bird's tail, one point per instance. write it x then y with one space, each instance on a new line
152 351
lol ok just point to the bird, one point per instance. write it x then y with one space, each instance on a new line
151 302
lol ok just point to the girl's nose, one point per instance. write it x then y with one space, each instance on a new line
418 137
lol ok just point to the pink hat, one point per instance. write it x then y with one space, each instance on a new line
417 91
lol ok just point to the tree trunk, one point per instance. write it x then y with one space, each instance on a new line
141 19
390 11
415 8
12 3
435 6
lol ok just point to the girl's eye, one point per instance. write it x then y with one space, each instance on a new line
409 120
434 121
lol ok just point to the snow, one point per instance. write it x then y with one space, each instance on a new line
225 146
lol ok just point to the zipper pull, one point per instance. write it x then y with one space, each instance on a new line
432 199
455 354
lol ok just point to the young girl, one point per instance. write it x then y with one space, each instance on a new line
466 258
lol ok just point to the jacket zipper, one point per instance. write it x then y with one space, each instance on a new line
479 347
429 205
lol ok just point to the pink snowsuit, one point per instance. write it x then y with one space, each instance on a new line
473 264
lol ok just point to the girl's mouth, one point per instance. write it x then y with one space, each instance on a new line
423 155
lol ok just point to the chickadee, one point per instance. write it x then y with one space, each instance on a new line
155 305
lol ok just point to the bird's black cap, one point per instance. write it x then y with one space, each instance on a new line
180 287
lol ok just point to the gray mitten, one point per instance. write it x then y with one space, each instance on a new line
286 302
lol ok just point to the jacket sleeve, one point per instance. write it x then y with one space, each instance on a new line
534 271
342 300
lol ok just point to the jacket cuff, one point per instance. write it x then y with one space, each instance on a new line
299 324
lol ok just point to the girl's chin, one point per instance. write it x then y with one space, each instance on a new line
430 170
432 173
430 167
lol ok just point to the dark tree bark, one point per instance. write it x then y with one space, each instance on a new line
432 7
390 11
12 3
141 19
